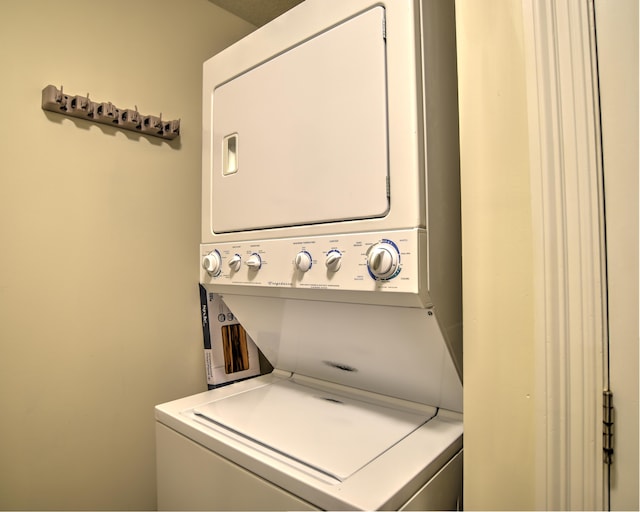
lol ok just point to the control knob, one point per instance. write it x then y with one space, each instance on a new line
254 262
303 261
212 263
334 260
235 262
383 260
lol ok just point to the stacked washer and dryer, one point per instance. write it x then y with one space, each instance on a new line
331 229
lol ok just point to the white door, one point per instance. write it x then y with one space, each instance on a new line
617 43
302 138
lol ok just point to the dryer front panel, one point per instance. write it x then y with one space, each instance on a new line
303 137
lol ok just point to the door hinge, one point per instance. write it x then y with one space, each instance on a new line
607 426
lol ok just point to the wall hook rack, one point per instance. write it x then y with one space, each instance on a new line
55 100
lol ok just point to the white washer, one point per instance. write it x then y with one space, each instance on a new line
317 433
305 445
331 228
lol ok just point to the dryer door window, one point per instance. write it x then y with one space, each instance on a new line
302 138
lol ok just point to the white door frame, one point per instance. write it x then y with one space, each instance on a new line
569 259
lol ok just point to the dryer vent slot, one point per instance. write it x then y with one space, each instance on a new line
340 366
330 399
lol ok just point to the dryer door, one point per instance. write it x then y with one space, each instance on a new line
302 138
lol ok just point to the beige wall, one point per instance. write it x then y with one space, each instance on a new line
617 32
497 258
99 245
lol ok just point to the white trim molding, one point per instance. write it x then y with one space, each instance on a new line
569 259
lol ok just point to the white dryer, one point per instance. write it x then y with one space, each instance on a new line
331 227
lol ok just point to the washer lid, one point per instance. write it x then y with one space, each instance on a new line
393 351
331 433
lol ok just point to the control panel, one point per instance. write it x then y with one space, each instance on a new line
394 261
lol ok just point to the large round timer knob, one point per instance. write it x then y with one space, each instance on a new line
383 260
212 263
